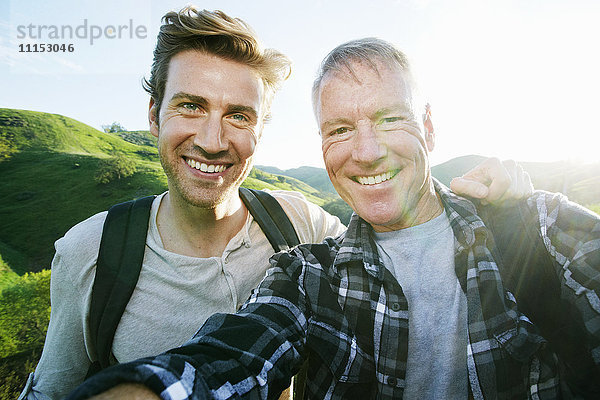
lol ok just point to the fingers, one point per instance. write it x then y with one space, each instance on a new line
500 179
520 186
470 188
493 181
489 180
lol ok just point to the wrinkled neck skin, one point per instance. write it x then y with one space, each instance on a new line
199 232
428 207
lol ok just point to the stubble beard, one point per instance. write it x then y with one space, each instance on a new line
200 196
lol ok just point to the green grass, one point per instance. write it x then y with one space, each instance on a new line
594 207
47 180
7 275
45 193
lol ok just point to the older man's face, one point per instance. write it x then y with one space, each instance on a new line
373 145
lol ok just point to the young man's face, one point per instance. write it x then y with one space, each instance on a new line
373 145
211 118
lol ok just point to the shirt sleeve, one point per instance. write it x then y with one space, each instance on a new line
64 361
571 235
252 354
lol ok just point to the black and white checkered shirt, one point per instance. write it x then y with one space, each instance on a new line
337 305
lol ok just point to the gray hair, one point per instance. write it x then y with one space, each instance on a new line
366 50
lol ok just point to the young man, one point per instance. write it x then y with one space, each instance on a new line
211 88
410 301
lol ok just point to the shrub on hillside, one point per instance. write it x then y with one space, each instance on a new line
114 168
24 313
14 371
113 128
340 209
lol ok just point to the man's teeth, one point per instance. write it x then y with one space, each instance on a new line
372 180
206 168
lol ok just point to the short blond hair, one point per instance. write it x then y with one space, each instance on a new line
216 33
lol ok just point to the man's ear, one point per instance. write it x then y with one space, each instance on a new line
153 118
428 125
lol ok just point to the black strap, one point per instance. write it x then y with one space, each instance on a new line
271 218
121 255
118 268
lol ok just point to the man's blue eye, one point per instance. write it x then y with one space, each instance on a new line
239 117
339 131
190 106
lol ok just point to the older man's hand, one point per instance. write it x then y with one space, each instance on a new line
129 391
494 181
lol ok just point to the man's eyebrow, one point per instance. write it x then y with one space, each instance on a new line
238 108
191 97
401 108
333 122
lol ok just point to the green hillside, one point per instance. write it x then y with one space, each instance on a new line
315 177
580 182
455 167
48 165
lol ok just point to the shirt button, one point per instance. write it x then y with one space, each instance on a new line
392 381
395 306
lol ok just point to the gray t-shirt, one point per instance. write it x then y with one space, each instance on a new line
174 295
422 260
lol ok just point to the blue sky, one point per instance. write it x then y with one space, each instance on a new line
512 79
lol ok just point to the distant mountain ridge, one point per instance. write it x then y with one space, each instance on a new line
48 164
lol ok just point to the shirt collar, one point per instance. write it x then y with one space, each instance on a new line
358 245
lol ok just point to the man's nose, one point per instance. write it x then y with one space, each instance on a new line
210 136
368 147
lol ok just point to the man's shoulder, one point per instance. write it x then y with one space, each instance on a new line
85 236
287 196
311 222
83 239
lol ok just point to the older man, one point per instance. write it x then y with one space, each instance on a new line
409 302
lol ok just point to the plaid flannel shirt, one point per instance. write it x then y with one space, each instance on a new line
336 305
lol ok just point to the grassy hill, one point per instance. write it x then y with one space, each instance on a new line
315 177
48 165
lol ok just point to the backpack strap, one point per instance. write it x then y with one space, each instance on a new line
121 255
528 271
118 268
278 228
271 218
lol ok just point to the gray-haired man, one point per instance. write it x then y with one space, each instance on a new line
410 301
